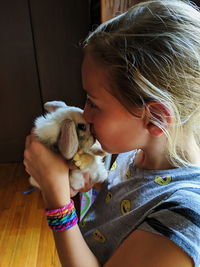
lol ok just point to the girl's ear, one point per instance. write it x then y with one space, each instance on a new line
158 117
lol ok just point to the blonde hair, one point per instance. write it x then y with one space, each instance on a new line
152 53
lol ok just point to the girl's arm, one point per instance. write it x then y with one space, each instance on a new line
73 250
145 249
51 173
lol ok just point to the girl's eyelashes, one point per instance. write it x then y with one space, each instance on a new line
90 103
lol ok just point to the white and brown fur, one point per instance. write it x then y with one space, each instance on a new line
64 129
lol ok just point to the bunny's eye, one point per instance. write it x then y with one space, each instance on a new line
82 127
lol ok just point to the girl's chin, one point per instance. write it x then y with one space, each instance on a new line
108 149
113 150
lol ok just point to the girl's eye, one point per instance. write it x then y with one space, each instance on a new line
90 103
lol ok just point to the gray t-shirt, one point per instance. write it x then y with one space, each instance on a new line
165 202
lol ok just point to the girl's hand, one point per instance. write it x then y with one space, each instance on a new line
49 170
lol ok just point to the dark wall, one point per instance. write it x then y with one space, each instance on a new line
39 61
58 27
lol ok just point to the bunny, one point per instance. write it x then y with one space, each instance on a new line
65 130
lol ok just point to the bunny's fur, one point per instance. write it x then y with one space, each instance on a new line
65 130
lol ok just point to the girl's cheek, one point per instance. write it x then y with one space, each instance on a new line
100 126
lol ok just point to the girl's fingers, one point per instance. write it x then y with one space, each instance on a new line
73 192
31 137
86 188
27 141
86 176
88 185
33 130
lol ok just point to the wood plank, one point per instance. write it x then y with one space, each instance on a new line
25 239
46 250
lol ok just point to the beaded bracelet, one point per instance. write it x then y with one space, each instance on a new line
62 218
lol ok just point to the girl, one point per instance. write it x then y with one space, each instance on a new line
141 72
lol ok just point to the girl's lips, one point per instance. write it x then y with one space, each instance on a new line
94 137
92 131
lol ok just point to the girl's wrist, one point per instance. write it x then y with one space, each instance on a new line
56 203
62 218
56 198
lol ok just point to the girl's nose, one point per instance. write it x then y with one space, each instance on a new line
87 114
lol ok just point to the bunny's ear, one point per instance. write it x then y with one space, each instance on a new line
51 106
68 140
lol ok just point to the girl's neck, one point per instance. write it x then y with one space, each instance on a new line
193 151
154 156
151 161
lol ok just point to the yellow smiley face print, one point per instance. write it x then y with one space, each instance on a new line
163 180
128 174
83 222
114 166
98 236
108 197
125 206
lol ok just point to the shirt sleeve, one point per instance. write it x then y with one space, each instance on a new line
178 218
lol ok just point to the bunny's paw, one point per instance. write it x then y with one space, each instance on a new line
82 160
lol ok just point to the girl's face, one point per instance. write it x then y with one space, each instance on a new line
114 127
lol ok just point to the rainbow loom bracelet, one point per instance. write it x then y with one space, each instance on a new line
60 210
62 218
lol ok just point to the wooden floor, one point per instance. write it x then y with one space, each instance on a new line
25 240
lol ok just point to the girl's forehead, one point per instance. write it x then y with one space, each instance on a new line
90 64
94 77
